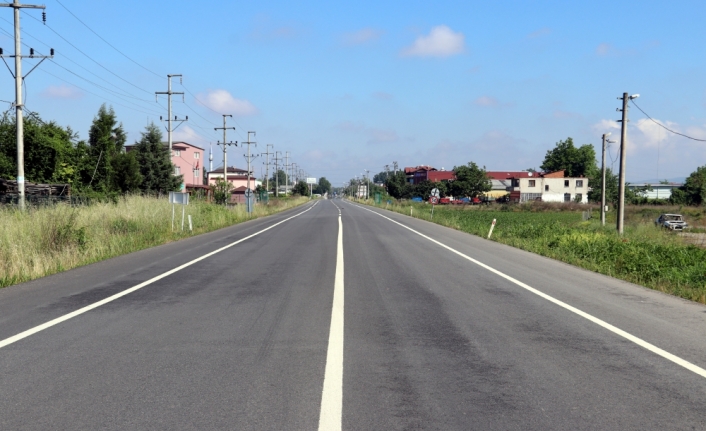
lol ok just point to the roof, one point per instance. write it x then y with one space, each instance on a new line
240 189
503 175
178 145
441 175
231 170
669 185
411 170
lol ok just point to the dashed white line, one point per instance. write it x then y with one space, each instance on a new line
639 341
49 324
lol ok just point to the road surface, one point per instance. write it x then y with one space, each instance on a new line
339 316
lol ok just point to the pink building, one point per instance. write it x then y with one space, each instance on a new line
238 178
188 161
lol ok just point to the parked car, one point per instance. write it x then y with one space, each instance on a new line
671 222
417 199
444 201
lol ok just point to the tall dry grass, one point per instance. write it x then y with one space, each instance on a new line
47 240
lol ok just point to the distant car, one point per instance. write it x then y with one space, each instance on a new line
671 222
417 199
444 201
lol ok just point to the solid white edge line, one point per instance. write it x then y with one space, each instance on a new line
330 417
49 324
640 342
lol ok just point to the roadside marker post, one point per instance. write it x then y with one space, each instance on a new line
492 226
191 226
178 198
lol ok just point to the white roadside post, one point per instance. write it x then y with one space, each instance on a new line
492 226
178 198
191 226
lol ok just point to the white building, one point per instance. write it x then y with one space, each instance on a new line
549 187
659 190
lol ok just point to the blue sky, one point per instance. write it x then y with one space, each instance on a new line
355 86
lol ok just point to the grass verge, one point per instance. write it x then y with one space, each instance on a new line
47 240
644 255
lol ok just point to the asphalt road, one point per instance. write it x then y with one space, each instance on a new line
430 328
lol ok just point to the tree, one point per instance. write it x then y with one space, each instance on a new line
126 173
301 188
221 190
577 162
398 187
106 139
381 177
156 166
277 178
323 187
471 181
424 189
611 190
693 192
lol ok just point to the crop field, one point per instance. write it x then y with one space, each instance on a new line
644 255
47 240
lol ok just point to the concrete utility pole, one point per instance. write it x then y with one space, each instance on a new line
169 93
286 170
367 171
605 135
623 151
19 122
394 164
277 159
267 167
248 155
225 144
210 159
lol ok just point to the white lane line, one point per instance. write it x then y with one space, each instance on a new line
330 418
639 341
49 324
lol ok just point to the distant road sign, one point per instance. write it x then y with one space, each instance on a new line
248 193
435 192
311 180
434 200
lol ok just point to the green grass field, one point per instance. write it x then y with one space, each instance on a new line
645 254
47 240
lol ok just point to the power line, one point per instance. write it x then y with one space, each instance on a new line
665 127
108 43
90 58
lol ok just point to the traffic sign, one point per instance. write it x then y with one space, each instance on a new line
435 192
434 200
248 193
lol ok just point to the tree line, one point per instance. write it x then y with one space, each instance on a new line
98 166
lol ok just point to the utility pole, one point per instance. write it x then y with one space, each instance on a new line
623 152
286 171
367 171
267 167
210 159
605 135
169 93
395 166
19 79
277 159
248 156
225 144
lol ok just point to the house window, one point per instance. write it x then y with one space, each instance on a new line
177 170
567 197
531 183
566 183
579 184
176 153
197 155
579 197
546 187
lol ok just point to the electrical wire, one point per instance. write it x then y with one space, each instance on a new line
108 43
663 126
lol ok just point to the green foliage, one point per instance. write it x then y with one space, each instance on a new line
323 187
155 163
424 189
381 177
577 162
106 139
64 232
398 187
470 181
126 173
221 191
693 192
277 178
301 189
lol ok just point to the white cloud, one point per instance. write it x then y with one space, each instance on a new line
222 101
441 42
362 36
487 101
383 96
379 136
62 92
539 33
186 134
351 127
604 49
